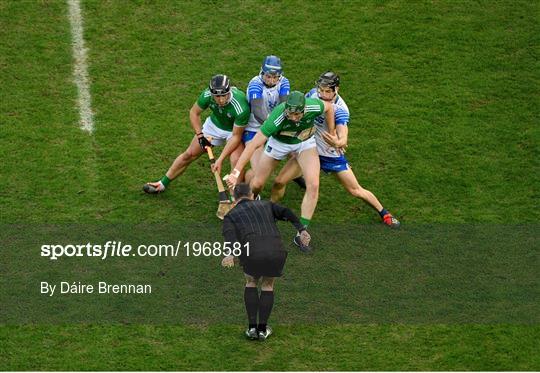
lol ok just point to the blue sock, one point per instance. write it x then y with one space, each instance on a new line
383 212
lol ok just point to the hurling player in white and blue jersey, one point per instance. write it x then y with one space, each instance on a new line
330 149
264 92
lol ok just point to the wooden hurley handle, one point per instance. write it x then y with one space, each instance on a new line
219 182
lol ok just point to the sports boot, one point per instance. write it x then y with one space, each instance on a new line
264 335
298 242
391 221
154 188
252 333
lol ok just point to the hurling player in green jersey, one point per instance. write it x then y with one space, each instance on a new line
230 114
289 130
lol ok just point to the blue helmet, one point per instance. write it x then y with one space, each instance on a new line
271 65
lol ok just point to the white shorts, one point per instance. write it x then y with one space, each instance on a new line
219 136
279 150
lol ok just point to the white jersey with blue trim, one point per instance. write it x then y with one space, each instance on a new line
341 117
257 90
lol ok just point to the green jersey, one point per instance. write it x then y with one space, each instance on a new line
282 129
235 112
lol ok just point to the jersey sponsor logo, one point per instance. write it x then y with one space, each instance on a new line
288 133
306 134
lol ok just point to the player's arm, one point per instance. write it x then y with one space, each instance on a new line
329 115
342 130
258 141
340 139
284 90
195 120
268 128
256 101
257 109
231 145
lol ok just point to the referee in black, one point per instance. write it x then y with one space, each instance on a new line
254 222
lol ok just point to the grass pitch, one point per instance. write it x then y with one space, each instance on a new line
444 108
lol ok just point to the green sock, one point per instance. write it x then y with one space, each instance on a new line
165 181
305 222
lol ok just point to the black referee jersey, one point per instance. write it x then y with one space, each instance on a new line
255 222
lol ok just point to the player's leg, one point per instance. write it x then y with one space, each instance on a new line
194 151
178 167
182 162
253 163
290 171
266 303
265 167
350 183
299 180
251 301
308 160
247 136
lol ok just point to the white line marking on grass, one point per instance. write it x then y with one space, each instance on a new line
80 70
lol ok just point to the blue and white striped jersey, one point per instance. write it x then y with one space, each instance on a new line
341 116
256 89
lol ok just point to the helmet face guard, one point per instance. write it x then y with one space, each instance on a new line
220 85
271 70
295 103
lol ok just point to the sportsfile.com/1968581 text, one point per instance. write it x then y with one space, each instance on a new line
119 249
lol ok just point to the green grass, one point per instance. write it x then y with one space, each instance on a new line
444 99
300 347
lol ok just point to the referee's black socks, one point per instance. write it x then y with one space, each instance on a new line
251 300
266 302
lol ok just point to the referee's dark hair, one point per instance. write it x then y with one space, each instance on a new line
242 190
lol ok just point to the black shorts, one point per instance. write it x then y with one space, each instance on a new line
267 266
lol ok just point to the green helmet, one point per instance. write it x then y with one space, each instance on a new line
295 102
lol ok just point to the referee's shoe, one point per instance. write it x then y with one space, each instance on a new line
263 335
252 333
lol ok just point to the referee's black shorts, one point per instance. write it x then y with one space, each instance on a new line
267 265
